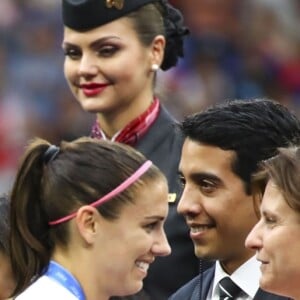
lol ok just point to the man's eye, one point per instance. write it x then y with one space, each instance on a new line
207 186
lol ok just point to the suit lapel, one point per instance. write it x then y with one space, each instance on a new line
204 283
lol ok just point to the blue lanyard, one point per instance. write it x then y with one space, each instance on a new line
65 278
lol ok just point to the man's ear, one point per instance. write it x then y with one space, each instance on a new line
87 221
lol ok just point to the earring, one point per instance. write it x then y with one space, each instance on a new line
154 67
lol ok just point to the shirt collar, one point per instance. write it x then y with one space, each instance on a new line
250 269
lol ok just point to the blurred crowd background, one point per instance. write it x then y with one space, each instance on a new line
236 49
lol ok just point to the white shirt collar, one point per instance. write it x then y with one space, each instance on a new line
246 277
106 138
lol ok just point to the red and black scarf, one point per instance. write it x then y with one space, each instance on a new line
133 131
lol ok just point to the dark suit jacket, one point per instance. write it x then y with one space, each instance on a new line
191 290
162 144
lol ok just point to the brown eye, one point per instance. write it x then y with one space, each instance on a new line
107 51
270 220
72 53
207 186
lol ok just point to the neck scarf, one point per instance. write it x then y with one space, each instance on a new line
133 131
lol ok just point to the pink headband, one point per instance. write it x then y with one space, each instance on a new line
124 185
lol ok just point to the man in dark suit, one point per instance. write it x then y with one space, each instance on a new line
222 149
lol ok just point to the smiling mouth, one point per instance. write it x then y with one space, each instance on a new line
200 228
142 265
92 89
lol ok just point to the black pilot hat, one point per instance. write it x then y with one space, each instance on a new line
84 15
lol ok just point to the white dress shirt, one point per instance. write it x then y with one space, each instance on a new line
246 277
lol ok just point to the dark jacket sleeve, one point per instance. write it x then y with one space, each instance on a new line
186 292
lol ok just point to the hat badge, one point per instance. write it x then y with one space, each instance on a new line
119 4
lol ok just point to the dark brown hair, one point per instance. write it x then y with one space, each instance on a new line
148 23
161 18
46 189
254 129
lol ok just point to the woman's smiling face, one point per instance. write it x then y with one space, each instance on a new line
128 245
107 68
276 241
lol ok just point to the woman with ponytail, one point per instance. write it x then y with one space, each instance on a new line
87 220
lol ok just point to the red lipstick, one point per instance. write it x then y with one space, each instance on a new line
92 89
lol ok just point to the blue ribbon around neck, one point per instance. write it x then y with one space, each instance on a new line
65 278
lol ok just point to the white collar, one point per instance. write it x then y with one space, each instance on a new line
246 277
109 139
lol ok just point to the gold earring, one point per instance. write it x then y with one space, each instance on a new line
154 67
119 4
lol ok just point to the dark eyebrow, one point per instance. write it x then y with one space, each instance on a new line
94 44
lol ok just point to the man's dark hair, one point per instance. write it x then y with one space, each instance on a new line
253 129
